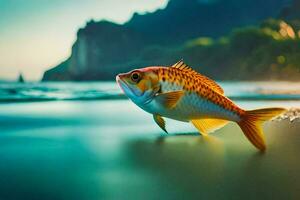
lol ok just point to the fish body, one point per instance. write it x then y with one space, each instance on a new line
198 99
179 92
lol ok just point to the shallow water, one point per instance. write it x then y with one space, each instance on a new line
110 149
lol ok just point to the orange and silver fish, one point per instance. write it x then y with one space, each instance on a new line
179 92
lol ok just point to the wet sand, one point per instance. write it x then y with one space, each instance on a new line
225 165
113 150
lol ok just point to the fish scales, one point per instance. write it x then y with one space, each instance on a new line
205 101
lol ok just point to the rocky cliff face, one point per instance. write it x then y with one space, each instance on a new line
99 46
104 49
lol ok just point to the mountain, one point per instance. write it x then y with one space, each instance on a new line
182 20
103 49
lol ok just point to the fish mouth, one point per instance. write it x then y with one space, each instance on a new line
122 84
118 79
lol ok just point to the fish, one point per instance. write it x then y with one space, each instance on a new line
179 92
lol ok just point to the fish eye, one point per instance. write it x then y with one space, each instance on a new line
135 77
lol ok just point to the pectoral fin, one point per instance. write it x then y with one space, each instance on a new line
169 99
160 122
206 126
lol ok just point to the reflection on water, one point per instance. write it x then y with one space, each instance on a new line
224 167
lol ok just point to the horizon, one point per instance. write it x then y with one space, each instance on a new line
30 52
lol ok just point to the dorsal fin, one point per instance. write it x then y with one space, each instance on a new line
182 66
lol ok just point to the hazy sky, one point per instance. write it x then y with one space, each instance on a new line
36 35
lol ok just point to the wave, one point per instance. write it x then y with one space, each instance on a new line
37 92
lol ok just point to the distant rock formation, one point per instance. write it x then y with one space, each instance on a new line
103 49
98 46
20 78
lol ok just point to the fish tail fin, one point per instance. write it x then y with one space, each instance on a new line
251 125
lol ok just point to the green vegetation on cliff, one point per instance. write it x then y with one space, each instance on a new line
251 53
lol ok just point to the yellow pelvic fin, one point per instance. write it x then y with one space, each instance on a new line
169 99
252 122
206 126
160 122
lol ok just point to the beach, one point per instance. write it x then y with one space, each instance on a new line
104 149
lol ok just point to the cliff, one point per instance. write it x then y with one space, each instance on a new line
103 49
99 46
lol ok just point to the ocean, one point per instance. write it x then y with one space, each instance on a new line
88 141
43 91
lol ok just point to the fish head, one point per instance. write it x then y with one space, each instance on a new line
140 85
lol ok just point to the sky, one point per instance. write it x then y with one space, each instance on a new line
36 35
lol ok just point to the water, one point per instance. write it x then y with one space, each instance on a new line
20 92
28 92
87 141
